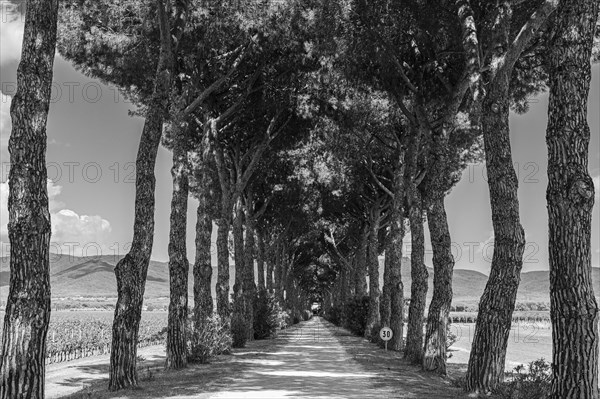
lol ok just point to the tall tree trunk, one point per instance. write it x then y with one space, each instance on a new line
284 273
396 287
178 262
351 288
386 294
240 305
434 356
260 260
203 303
419 275
270 267
132 269
361 264
222 288
344 279
374 293
248 282
335 297
488 351
570 195
279 272
238 246
22 363
293 299
395 252
347 283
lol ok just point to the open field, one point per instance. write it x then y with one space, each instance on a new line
87 330
528 341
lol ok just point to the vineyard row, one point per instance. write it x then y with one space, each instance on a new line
79 353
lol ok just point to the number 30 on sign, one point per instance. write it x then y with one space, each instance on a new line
386 333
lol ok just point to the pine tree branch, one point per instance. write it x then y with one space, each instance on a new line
527 32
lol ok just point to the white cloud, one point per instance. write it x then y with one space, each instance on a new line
5 121
5 125
53 192
71 233
11 40
69 226
4 211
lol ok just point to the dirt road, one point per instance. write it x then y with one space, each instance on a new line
313 359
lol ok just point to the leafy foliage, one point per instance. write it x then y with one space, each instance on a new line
269 316
356 311
532 382
334 315
210 339
239 326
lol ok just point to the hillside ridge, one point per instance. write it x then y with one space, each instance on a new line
93 277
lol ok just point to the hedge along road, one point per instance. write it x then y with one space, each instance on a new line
313 359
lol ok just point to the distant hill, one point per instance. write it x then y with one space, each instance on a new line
468 285
93 277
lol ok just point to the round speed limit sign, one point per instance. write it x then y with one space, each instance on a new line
386 333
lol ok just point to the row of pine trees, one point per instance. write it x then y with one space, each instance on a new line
315 134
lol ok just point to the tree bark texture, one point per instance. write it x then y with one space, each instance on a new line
570 196
222 288
238 246
373 317
361 264
178 262
488 351
278 272
22 363
386 295
486 362
395 250
396 288
203 303
270 267
434 356
260 260
284 273
419 275
132 269
248 282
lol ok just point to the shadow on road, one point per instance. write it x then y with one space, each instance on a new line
314 359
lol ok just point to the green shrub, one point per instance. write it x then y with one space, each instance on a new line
375 335
238 331
531 384
285 318
356 311
268 317
334 315
239 326
210 339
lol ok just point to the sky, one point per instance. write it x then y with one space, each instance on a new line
92 145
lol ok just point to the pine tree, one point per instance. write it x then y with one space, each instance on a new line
570 194
22 363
